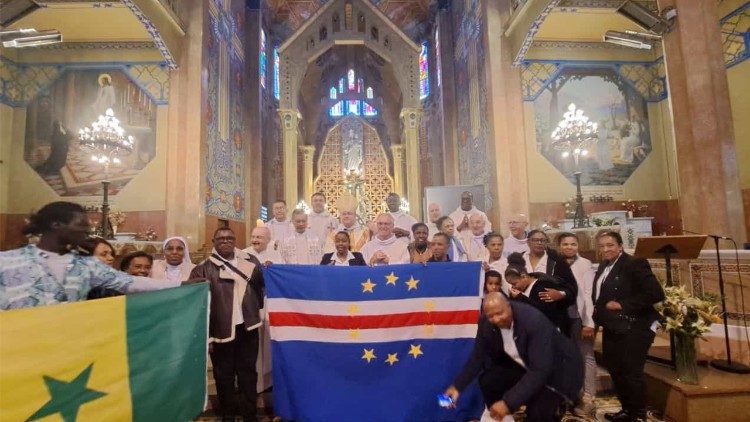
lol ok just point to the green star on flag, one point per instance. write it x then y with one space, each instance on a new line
67 397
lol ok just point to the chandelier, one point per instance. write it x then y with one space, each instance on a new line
106 140
574 134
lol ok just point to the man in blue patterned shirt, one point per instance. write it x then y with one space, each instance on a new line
52 272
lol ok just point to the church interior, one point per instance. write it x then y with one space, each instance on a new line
233 105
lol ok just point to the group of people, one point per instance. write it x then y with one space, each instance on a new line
535 339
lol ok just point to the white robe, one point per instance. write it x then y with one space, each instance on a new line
321 224
404 221
512 244
458 216
394 247
432 227
474 246
584 273
268 255
279 230
301 249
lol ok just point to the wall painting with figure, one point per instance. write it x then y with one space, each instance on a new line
72 102
620 111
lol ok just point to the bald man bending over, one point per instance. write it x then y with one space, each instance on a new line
520 359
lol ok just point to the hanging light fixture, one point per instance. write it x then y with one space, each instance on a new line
106 140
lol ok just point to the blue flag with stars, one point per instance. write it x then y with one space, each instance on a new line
371 344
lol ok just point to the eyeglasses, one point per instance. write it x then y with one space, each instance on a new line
536 240
225 239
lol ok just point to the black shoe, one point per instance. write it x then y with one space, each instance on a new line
622 415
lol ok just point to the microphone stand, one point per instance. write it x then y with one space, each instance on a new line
725 365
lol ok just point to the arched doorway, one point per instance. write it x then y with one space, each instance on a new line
353 160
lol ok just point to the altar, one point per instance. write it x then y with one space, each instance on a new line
630 228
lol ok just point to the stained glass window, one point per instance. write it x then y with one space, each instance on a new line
438 70
424 74
341 86
369 110
360 86
263 58
337 110
353 107
333 93
370 93
276 83
350 76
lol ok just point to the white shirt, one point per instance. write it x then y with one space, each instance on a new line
584 273
500 265
394 248
604 275
237 317
321 224
267 255
509 345
432 229
279 229
458 216
58 264
512 244
341 262
301 248
527 292
541 266
404 221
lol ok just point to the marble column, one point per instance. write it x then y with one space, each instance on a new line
506 144
410 118
290 120
398 169
709 192
308 153
447 104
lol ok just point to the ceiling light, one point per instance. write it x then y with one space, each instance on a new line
30 38
627 40
646 18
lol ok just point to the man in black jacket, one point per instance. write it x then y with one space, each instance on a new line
236 286
624 294
521 359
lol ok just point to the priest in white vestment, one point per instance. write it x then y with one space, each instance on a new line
320 222
260 238
434 211
359 235
301 247
279 225
402 221
517 241
385 248
461 215
473 239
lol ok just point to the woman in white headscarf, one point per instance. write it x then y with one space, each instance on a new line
176 265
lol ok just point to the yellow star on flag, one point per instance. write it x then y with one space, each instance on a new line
392 359
391 279
429 330
415 350
354 333
353 310
429 306
369 355
368 286
412 283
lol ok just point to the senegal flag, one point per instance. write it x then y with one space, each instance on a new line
139 357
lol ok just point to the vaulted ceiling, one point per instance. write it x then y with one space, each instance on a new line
409 15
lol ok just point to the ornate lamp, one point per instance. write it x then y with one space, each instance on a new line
106 140
572 136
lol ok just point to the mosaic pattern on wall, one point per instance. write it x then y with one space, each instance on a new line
614 104
72 101
224 117
471 94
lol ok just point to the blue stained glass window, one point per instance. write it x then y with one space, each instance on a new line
370 94
337 110
341 86
333 93
276 83
369 110
263 58
424 73
354 107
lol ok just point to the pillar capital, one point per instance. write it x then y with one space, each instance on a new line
290 119
411 118
308 153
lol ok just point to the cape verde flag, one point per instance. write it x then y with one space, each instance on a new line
369 344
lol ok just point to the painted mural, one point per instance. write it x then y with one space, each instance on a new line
620 111
74 101
224 116
471 94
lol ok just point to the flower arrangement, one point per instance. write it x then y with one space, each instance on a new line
148 235
688 315
117 218
570 207
633 208
604 222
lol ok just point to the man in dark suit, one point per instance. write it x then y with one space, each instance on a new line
624 294
521 359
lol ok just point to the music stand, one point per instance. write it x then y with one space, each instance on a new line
667 248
